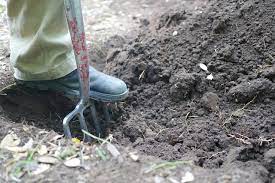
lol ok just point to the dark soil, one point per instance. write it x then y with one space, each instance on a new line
174 112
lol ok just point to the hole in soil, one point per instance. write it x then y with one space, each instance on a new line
46 110
41 109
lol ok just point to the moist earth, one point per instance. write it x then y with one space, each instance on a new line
221 118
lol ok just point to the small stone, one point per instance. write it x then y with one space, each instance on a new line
210 101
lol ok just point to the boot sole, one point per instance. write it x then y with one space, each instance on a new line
70 93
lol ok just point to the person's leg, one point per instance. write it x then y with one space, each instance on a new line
42 55
40 42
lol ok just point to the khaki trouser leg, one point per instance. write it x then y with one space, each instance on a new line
40 42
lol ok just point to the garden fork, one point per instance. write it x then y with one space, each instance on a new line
76 26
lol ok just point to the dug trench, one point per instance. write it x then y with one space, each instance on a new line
221 118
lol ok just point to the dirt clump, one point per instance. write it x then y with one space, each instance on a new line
210 101
245 91
183 85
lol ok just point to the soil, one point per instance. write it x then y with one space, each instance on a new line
175 112
225 125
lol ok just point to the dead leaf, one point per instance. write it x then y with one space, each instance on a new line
73 163
10 140
188 177
21 149
55 138
113 150
48 160
42 150
41 168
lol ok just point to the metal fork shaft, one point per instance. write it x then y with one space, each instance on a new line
77 32
76 27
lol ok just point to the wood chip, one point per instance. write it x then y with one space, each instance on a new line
113 150
73 163
48 160
41 169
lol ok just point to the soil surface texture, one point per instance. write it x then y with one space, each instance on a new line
218 117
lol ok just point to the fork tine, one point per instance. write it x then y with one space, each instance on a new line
83 126
66 122
106 112
107 117
95 120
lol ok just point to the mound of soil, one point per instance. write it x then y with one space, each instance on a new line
175 112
